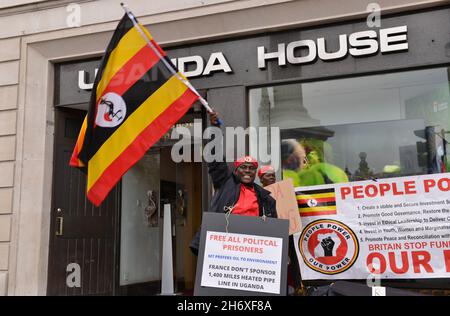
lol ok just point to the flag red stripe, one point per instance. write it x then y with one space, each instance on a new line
74 162
163 53
149 136
302 214
131 72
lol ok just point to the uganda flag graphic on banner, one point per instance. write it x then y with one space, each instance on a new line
316 202
135 100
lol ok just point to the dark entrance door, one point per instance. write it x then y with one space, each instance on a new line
83 238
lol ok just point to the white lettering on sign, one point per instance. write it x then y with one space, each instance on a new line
341 53
363 43
216 63
309 44
82 84
393 39
280 55
190 66
182 63
357 44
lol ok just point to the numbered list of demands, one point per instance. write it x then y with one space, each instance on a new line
407 217
242 262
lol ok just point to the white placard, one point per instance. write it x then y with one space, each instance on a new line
242 262
395 228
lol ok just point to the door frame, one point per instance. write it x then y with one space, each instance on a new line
134 289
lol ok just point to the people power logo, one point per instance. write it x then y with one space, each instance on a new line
328 246
111 110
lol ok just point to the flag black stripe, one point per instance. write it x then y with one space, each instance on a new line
123 27
133 97
310 192
304 205
170 63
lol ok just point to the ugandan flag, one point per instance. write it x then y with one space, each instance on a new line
135 100
316 202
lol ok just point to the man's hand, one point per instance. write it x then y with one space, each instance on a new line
214 118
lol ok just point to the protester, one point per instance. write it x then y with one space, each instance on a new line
266 175
236 191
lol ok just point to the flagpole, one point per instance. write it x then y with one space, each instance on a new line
167 64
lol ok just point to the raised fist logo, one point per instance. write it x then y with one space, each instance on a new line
328 244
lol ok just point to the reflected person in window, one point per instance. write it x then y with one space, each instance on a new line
293 160
306 167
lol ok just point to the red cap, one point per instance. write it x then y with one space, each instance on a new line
265 169
246 159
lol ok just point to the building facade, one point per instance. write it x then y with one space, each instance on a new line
304 69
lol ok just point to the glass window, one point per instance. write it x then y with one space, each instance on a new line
141 224
151 183
359 128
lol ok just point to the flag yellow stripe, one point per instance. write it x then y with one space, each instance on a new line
80 141
131 43
146 32
318 209
140 119
315 196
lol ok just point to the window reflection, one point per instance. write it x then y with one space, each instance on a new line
359 128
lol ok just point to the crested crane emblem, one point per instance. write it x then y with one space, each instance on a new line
111 110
